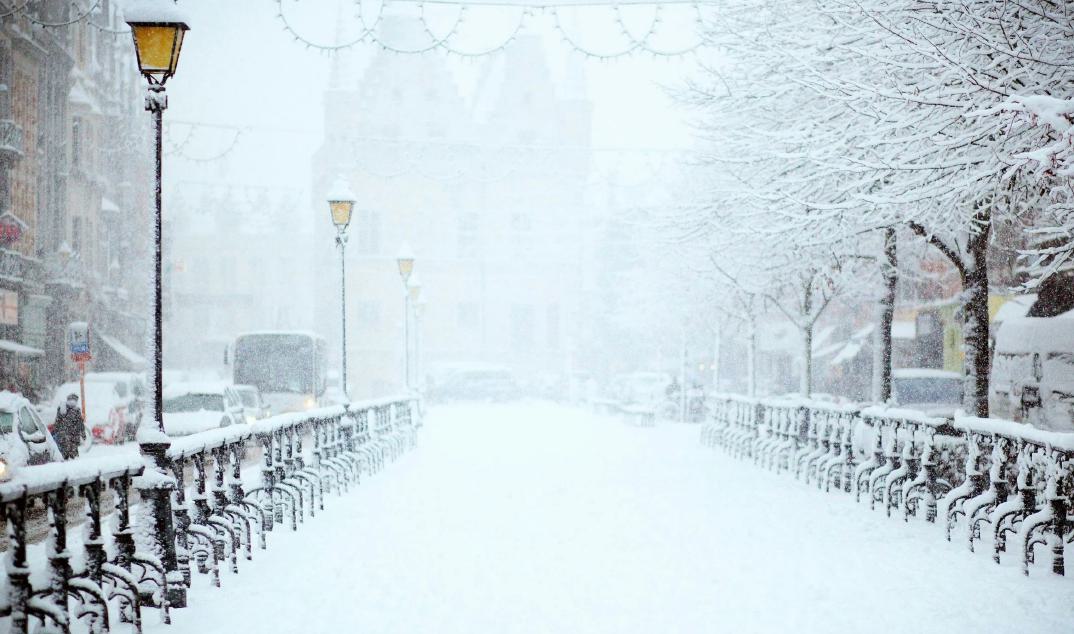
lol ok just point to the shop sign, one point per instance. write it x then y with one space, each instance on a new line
11 229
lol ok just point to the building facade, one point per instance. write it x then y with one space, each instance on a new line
75 190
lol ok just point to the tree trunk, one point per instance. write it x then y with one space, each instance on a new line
882 352
805 385
975 321
751 358
716 341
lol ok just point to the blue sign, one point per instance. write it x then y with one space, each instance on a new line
79 347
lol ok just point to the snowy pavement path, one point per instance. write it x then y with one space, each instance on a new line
540 519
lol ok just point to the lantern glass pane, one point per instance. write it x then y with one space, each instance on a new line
341 212
406 266
179 33
156 45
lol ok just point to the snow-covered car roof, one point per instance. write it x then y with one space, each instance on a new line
186 423
924 373
10 401
200 387
246 388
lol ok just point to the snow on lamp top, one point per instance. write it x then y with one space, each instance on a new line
340 203
158 27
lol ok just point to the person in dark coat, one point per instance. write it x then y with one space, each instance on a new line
70 428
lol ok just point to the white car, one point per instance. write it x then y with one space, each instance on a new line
24 438
190 408
253 406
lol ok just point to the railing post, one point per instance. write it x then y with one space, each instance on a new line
155 487
18 569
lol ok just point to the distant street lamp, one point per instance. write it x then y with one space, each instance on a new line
413 296
419 347
405 262
158 27
341 205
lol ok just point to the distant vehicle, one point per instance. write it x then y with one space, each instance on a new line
1033 372
115 403
289 368
641 388
252 406
488 383
190 408
24 438
933 392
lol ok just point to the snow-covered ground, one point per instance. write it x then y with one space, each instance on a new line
537 518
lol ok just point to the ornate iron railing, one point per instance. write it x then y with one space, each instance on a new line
179 506
1000 483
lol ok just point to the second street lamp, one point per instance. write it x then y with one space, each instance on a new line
412 295
341 205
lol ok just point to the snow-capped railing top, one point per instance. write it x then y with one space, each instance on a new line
30 481
987 426
1016 431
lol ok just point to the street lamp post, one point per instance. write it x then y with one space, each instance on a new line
158 27
341 204
413 297
405 262
419 342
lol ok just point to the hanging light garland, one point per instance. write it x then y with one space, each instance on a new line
447 43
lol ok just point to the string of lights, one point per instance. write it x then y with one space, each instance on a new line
448 42
84 15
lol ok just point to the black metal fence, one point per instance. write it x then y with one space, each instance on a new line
992 483
150 520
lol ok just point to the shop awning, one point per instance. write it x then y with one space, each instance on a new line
132 357
18 348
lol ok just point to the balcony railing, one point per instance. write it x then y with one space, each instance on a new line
10 140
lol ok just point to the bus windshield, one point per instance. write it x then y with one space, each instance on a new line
279 363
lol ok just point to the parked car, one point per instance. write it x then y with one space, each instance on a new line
1033 372
190 408
489 383
114 404
934 392
253 406
24 438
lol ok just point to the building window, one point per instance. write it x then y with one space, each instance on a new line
552 325
521 327
76 142
467 315
367 229
9 308
76 235
467 238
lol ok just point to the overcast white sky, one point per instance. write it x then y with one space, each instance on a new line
240 67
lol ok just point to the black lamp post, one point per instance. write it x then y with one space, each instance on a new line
341 204
158 28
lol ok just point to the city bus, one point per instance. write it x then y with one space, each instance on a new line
289 368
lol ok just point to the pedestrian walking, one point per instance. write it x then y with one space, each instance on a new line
70 428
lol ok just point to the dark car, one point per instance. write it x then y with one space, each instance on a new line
489 384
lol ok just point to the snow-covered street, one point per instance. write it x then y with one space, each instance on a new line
539 518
